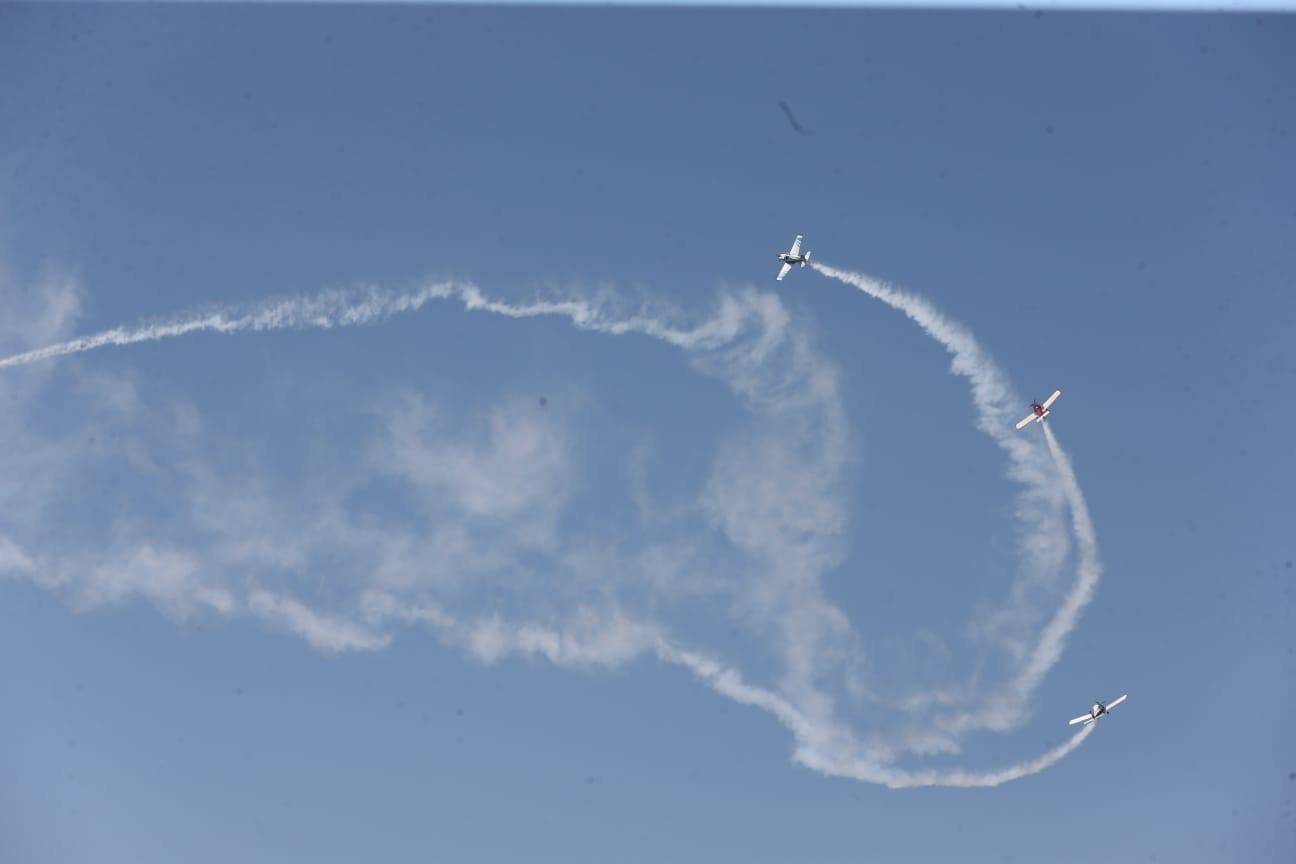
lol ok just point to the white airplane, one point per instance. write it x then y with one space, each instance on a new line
791 257
1038 411
1098 710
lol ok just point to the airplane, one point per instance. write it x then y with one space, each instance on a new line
791 257
1098 710
1038 411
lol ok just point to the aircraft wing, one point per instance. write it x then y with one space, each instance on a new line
1080 719
1021 424
1112 704
796 246
783 271
1053 397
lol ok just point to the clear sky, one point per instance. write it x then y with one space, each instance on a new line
458 585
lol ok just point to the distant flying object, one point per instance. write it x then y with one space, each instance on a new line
791 257
1038 411
1098 710
792 120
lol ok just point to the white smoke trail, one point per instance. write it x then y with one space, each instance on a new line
991 393
1044 542
972 780
831 750
734 316
350 308
822 744
1089 569
993 399
329 309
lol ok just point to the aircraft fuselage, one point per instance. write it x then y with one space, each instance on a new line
791 259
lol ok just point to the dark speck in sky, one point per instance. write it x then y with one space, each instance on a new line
791 118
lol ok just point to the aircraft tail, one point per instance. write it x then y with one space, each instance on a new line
807 260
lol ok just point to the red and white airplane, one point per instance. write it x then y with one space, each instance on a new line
1039 411
1099 709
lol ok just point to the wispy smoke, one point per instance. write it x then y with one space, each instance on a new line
349 308
1089 570
835 750
1043 545
784 519
974 779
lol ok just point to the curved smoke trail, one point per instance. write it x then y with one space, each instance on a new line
349 308
993 399
1089 569
821 743
981 779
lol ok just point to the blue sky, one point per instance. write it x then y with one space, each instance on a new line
456 585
